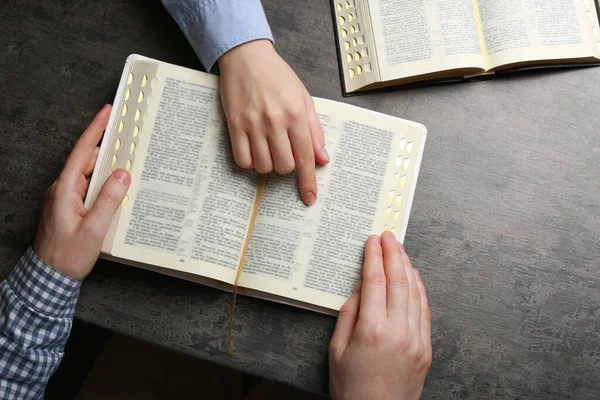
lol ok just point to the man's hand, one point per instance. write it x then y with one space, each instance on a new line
271 116
381 347
69 237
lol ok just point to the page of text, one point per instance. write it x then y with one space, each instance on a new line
420 37
314 254
189 205
526 30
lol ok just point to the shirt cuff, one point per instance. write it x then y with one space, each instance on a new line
215 26
42 287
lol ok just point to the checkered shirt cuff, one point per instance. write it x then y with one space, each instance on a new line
42 287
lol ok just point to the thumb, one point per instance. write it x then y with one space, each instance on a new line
110 197
316 131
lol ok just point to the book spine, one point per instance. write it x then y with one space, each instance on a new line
356 56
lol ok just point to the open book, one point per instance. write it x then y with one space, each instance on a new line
191 213
383 43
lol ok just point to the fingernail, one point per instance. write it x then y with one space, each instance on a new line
325 153
122 176
377 240
417 274
309 197
358 286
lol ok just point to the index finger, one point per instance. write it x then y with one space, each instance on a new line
79 159
425 315
414 295
373 293
304 158
397 281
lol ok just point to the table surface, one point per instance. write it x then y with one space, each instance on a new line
504 226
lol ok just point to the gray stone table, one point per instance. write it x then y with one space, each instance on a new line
505 226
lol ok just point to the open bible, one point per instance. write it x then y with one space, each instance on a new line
384 43
191 213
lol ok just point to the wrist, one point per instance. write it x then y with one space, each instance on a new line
42 287
245 53
56 259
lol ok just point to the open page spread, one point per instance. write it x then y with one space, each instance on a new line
420 37
314 254
528 30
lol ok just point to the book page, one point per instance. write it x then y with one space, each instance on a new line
189 206
421 37
314 254
516 31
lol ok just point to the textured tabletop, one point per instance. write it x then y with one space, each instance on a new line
505 226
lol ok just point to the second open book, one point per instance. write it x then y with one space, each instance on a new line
191 213
385 43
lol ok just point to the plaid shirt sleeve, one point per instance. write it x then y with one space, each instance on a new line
37 304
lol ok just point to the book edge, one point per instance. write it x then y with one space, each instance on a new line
413 186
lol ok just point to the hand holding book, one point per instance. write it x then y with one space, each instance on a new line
69 237
383 332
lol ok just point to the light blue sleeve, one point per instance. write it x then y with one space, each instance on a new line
215 26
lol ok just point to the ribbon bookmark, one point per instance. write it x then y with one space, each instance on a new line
262 180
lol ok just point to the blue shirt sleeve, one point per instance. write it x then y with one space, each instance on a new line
215 26
37 304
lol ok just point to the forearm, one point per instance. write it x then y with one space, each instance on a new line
215 26
37 304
